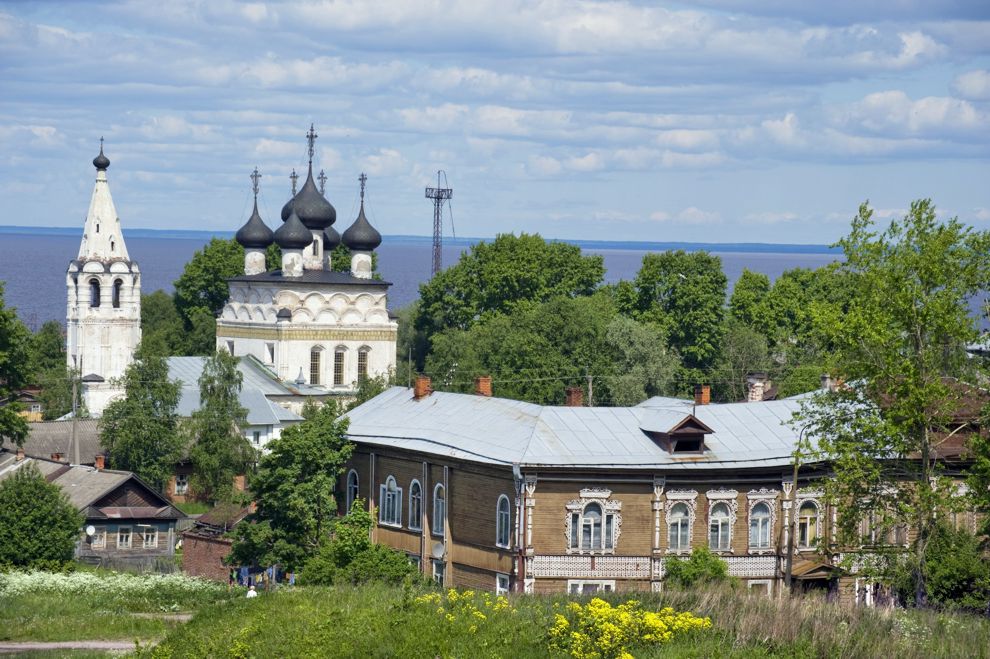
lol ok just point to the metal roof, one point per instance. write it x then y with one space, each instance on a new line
50 437
501 431
257 385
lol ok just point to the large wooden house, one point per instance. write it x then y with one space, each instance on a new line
506 495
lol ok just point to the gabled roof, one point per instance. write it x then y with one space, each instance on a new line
49 437
501 431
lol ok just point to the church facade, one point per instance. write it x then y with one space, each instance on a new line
308 322
103 314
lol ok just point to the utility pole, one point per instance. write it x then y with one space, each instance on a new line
75 415
438 195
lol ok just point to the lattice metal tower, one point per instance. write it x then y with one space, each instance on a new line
438 195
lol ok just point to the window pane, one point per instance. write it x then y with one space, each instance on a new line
609 521
338 368
575 523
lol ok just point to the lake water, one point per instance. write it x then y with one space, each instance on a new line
33 267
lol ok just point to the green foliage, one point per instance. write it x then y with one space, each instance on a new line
369 388
219 450
47 349
684 293
294 489
904 332
56 393
14 372
140 430
162 329
958 573
748 296
641 364
37 523
496 276
744 351
701 567
201 291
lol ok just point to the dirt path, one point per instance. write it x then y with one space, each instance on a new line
11 647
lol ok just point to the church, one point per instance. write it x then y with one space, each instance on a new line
316 328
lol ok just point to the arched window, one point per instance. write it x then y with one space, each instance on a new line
117 284
314 365
592 529
415 505
390 497
94 292
439 509
718 527
759 526
338 366
679 536
807 525
363 365
352 489
503 518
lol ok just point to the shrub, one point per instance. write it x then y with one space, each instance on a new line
958 575
38 525
701 567
599 630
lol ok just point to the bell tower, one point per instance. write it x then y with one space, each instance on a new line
103 315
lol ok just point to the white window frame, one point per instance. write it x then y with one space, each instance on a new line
130 537
576 586
501 584
578 520
439 510
766 584
762 525
390 503
99 538
415 505
145 532
503 522
680 528
439 568
804 524
353 489
181 484
722 535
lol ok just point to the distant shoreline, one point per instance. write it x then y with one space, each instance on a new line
190 234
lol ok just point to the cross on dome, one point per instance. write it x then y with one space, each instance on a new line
255 177
294 177
363 179
311 138
323 182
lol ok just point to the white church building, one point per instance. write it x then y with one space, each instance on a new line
103 315
318 332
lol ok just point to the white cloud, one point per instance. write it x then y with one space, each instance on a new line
973 85
694 215
387 162
591 162
545 165
895 113
981 214
770 217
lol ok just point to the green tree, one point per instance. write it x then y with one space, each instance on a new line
162 330
496 276
14 371
904 332
219 451
702 566
56 393
744 351
748 301
38 525
201 291
294 491
642 364
958 572
684 294
140 430
47 349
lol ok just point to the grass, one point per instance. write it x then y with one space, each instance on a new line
377 621
96 605
193 507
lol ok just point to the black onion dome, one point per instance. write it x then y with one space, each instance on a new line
330 238
293 234
313 208
101 161
255 233
361 236
287 209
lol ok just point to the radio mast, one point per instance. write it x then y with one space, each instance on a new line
438 195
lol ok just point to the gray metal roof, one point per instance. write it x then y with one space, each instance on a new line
257 385
56 437
501 431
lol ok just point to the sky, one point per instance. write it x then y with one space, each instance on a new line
718 121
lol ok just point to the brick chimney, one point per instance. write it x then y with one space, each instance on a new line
422 387
57 457
574 397
483 385
99 461
20 454
756 386
827 384
702 394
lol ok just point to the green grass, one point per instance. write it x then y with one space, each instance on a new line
379 621
193 507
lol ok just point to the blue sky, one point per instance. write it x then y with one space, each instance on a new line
717 121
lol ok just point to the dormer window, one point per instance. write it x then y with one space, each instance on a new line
686 436
688 445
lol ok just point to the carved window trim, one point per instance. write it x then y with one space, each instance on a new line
804 497
731 499
753 498
690 499
611 514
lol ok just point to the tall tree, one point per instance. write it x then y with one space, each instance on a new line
48 348
496 276
744 351
905 331
14 371
684 293
642 364
294 490
140 431
162 330
219 451
201 291
38 525
748 301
